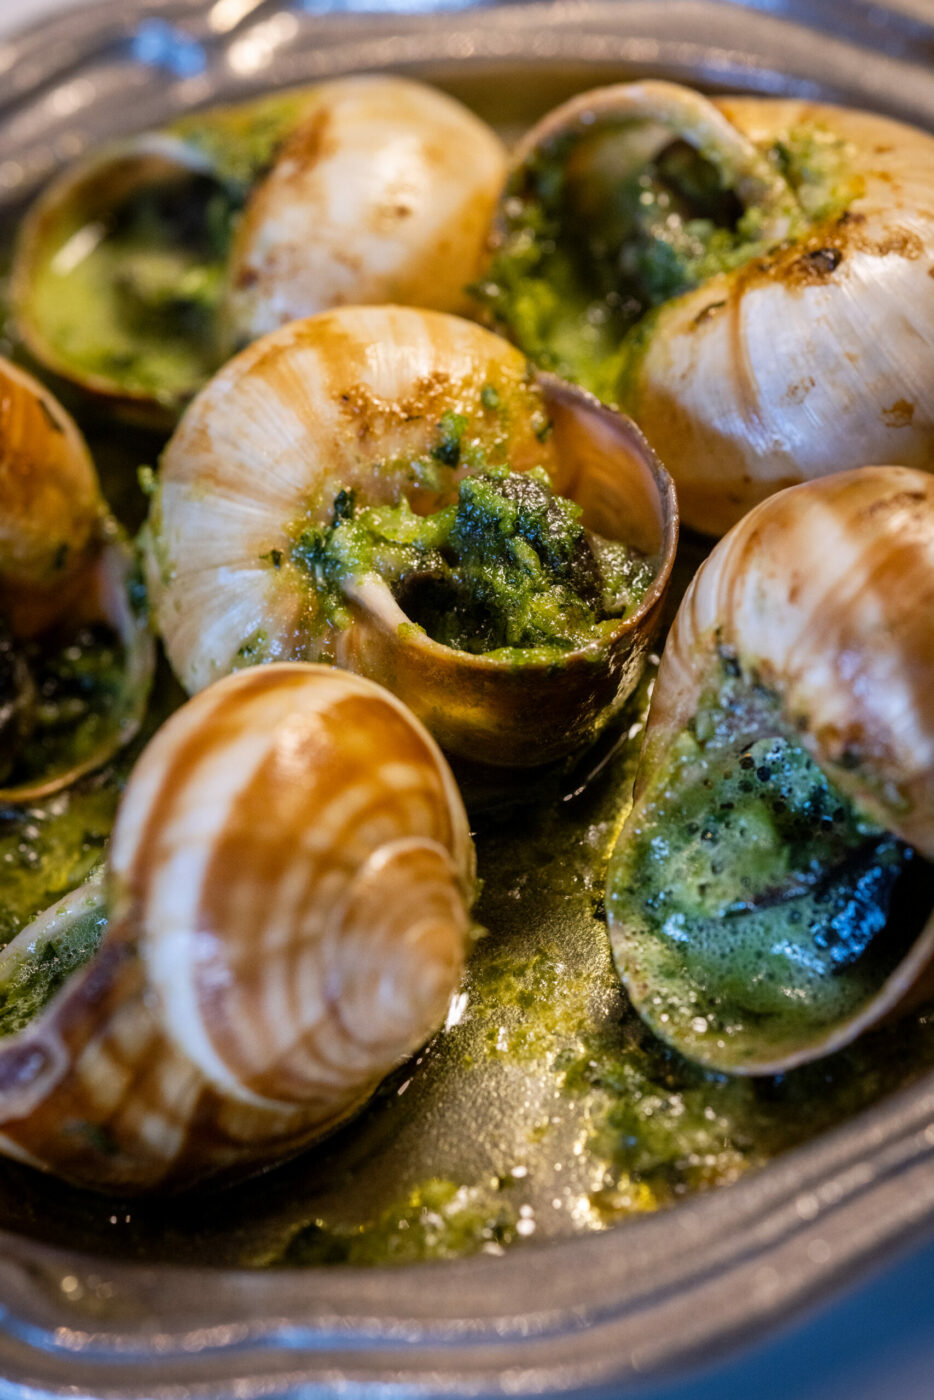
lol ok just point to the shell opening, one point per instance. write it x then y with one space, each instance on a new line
505 568
623 200
758 918
120 277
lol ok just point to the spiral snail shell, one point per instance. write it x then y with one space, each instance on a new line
394 408
287 911
140 269
748 277
764 907
63 567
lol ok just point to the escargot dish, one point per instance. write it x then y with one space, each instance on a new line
748 277
387 488
770 896
403 554
75 653
284 918
139 270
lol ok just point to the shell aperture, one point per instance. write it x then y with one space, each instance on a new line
746 276
361 487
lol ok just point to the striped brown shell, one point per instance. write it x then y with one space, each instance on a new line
346 402
288 895
819 605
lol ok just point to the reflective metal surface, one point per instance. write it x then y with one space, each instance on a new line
597 1311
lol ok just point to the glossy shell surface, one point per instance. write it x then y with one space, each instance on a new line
51 508
288 891
348 401
815 356
382 195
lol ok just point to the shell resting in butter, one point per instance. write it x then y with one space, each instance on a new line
287 897
747 276
394 407
785 793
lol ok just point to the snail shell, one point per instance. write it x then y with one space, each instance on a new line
288 888
362 189
63 563
822 598
383 194
815 354
349 400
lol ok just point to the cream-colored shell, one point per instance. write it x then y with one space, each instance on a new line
824 594
349 400
383 194
817 357
345 400
289 886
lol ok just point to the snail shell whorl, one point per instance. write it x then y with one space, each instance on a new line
290 879
298 859
825 593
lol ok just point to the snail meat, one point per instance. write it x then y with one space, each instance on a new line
748 277
770 896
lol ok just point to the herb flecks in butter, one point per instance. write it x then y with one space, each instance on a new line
504 568
597 238
438 1219
30 978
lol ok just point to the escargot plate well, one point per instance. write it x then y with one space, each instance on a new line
113 1300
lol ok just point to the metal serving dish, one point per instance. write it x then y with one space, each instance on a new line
583 1312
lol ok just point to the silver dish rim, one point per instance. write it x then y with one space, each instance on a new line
574 1315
